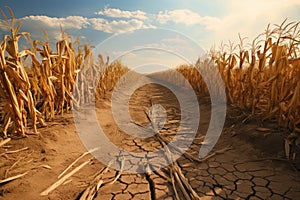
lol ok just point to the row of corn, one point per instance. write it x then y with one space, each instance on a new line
262 77
61 74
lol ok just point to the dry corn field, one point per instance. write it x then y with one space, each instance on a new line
256 157
262 78
47 87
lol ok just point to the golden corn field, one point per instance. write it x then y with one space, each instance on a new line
262 77
48 86
43 85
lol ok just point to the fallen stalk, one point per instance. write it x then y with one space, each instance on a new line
12 178
90 192
15 151
4 142
75 161
63 179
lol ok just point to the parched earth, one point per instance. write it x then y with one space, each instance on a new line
252 165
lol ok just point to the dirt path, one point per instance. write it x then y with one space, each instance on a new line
254 167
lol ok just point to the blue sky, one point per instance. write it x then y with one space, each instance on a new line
205 22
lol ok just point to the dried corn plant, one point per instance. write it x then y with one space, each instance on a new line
88 76
15 85
53 78
110 77
262 77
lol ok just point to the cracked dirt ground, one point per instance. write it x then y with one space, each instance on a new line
253 168
239 173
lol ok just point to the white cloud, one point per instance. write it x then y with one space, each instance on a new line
123 26
117 26
117 13
76 22
187 17
52 24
